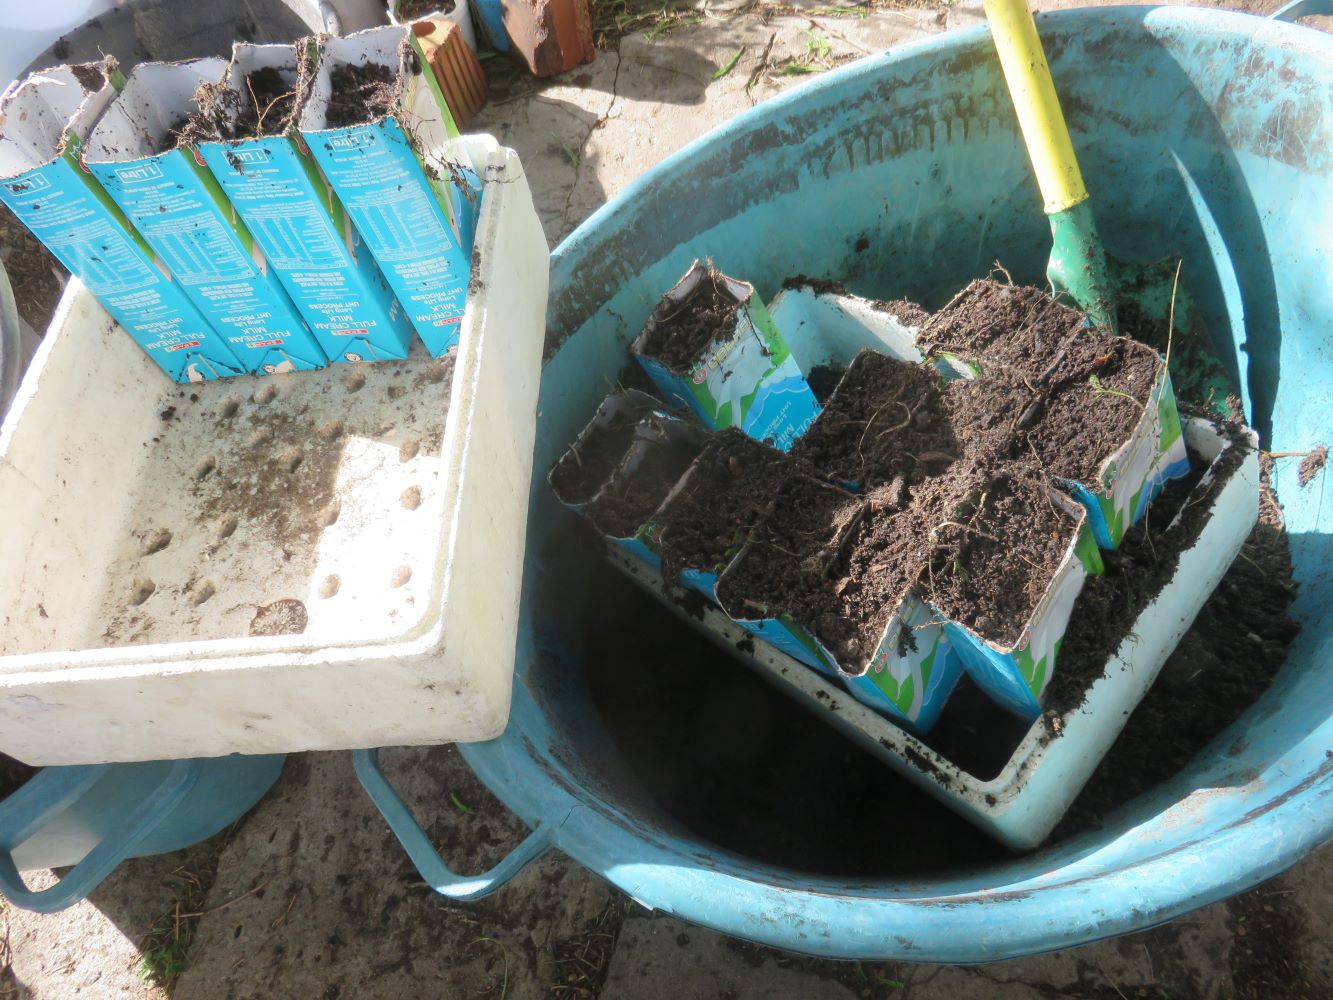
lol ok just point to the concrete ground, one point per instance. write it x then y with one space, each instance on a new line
310 895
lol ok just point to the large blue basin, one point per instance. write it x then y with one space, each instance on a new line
1202 134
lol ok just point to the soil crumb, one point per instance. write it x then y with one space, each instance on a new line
361 94
285 617
1312 464
92 77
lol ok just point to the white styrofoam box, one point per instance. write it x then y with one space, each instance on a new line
1052 763
408 486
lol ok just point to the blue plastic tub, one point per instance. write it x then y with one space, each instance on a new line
1202 133
95 816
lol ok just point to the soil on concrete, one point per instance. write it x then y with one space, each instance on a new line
584 469
994 556
730 487
410 10
360 94
679 331
885 421
632 495
285 617
37 277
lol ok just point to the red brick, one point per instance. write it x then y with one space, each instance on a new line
551 35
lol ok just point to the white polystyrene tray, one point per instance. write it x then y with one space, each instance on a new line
429 479
1022 804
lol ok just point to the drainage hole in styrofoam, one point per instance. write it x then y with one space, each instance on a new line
205 466
354 381
266 393
201 592
408 450
291 459
142 590
227 527
229 407
154 541
411 498
329 516
332 430
285 617
400 576
331 585
259 438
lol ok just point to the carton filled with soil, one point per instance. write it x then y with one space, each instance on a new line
1101 419
715 507
245 131
600 449
792 553
382 137
711 346
46 123
1005 568
884 423
140 153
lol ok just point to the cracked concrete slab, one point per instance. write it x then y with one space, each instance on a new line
313 897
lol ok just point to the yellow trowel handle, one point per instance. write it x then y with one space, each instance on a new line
1039 115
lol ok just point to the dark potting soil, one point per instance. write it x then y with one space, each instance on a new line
37 277
795 551
1009 326
630 497
993 557
680 331
885 421
1093 402
360 94
731 485
737 763
410 10
988 415
584 469
819 286
822 380
181 130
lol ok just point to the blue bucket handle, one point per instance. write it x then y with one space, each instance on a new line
432 867
102 859
1302 8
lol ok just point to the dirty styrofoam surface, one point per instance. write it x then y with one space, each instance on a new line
1022 804
384 503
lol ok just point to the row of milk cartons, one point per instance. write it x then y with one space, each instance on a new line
297 205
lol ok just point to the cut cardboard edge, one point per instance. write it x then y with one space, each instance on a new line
41 112
1023 803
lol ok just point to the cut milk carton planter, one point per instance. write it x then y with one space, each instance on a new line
175 202
46 122
1138 470
410 190
317 561
273 184
711 346
711 512
622 466
1016 671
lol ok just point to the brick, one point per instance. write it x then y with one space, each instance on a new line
551 35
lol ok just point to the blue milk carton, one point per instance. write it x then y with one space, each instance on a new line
381 138
271 180
172 198
46 121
